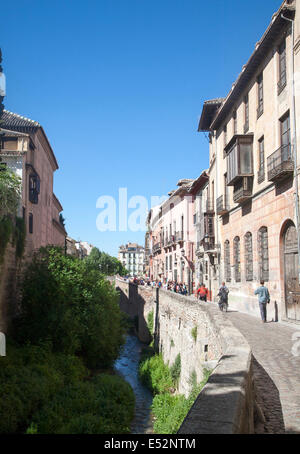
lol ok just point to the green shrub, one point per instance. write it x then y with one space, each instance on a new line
155 374
150 321
194 333
175 370
169 412
103 405
72 306
30 376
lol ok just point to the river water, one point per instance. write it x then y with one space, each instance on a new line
127 365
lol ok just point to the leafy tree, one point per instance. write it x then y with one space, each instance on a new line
105 263
10 192
73 306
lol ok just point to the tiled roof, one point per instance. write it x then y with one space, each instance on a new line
15 122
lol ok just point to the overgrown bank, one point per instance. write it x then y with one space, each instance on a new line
169 408
69 326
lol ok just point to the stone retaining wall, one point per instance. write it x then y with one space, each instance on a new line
205 339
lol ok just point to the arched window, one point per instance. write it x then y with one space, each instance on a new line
263 254
237 259
227 270
248 257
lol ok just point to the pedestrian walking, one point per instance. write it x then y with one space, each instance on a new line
223 294
203 291
263 300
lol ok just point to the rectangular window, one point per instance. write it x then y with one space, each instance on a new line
282 67
246 106
225 135
261 160
260 95
234 122
285 130
34 188
239 158
30 223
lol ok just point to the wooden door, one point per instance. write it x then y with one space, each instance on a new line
292 287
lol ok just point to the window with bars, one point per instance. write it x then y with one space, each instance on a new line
263 254
30 223
282 67
260 95
285 130
34 188
246 105
237 258
234 122
248 257
227 270
261 150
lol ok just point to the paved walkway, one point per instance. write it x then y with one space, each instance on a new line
276 371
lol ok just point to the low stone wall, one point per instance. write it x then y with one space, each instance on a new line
205 339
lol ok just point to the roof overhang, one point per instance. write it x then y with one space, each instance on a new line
210 108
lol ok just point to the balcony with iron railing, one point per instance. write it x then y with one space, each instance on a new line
157 247
222 205
243 190
280 163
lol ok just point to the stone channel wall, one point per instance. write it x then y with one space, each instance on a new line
205 339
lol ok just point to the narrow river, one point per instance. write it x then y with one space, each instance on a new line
127 366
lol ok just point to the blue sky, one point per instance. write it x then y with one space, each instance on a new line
118 86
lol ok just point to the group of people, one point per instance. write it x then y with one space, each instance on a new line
202 292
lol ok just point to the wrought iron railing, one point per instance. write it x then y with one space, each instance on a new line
280 162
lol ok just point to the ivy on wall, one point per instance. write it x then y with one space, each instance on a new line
12 228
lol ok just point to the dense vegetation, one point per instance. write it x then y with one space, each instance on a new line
105 263
69 326
12 228
169 409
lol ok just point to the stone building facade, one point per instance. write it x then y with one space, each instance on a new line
254 168
132 258
25 150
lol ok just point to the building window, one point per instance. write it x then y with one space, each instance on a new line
263 254
246 106
260 95
167 263
285 133
239 158
261 159
249 257
237 259
170 261
234 122
225 135
282 67
227 270
30 222
34 188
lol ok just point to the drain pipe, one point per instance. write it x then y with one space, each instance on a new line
295 141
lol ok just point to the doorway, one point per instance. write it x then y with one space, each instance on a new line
291 282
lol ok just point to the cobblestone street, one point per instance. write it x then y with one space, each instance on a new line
276 371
